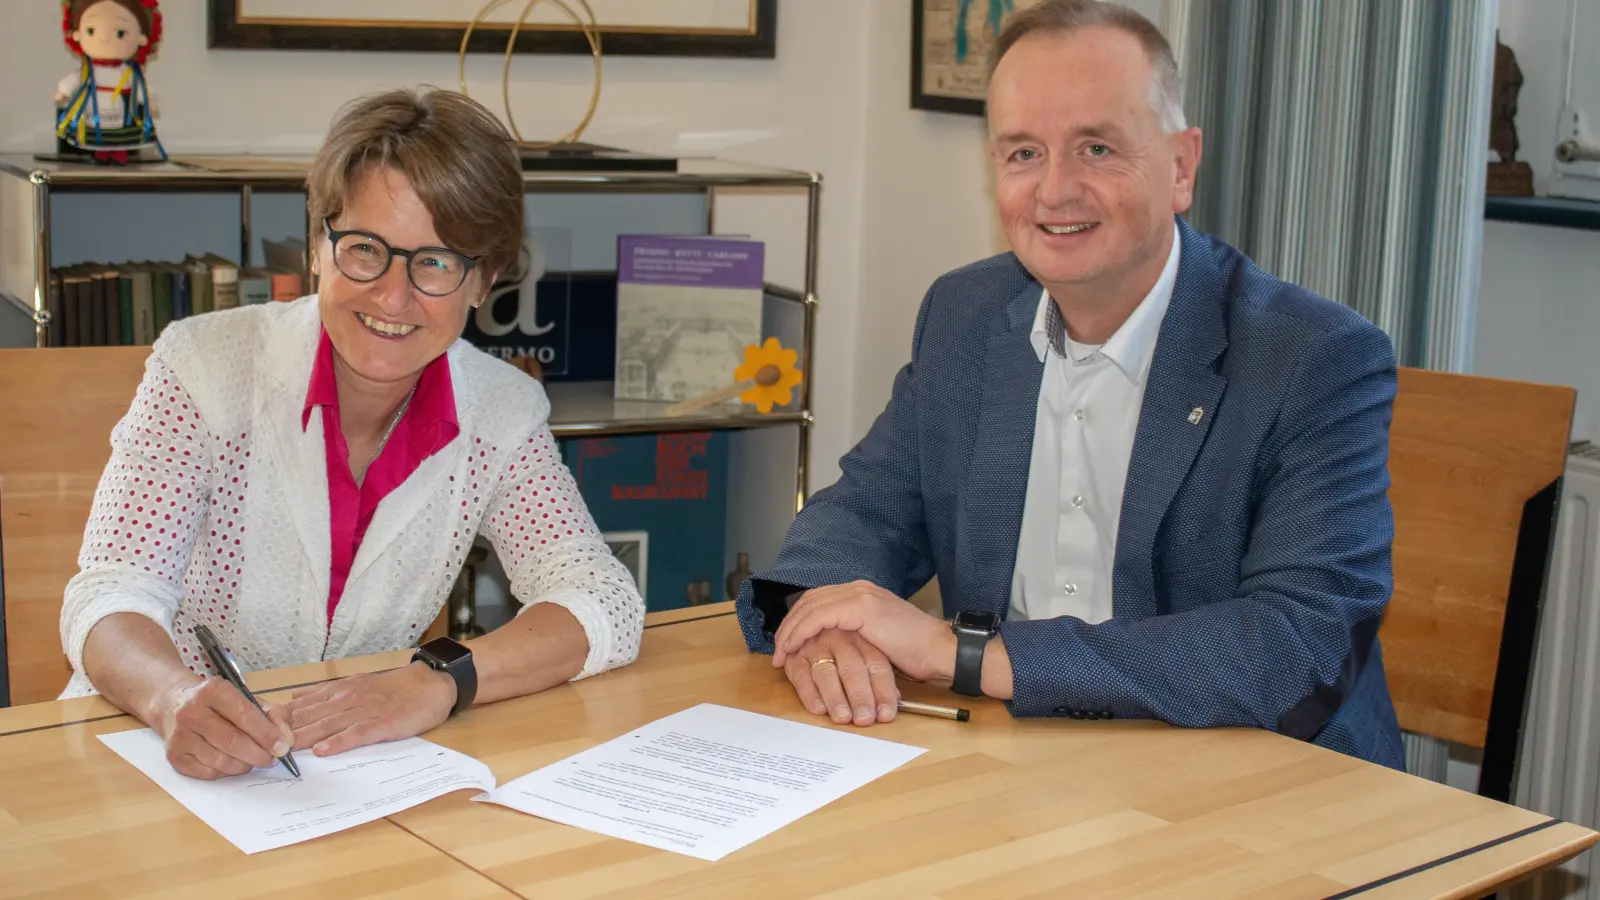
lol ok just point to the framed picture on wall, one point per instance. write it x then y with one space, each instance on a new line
737 28
950 45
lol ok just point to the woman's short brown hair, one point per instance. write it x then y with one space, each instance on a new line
458 157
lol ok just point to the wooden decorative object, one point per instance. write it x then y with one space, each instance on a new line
1507 176
767 378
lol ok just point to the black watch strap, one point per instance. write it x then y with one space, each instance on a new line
969 662
466 675
462 671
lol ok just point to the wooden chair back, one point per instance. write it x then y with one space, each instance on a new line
57 409
1475 465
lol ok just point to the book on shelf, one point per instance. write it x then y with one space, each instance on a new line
74 288
124 331
103 306
182 293
255 286
686 309
224 282
672 489
287 255
161 293
287 286
142 308
199 272
129 303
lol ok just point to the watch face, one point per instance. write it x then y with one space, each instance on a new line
445 650
970 620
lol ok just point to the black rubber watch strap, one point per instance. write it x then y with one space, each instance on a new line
465 674
969 662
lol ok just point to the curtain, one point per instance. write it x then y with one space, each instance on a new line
1345 150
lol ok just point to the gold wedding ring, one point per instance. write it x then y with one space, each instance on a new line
821 660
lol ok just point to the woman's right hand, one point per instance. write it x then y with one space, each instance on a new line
211 730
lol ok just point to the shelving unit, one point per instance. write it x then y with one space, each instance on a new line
30 191
54 215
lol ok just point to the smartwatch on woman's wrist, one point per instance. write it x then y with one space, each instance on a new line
452 658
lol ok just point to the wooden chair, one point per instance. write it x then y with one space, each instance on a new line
1476 467
57 408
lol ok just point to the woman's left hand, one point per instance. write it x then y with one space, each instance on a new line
366 709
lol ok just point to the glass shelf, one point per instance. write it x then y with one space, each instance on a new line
589 409
1559 212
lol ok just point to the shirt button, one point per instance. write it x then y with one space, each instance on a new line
1077 502
1078 414
1070 588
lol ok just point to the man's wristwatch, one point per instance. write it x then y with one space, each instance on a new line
973 631
452 658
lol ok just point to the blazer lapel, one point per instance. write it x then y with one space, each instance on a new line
397 511
1180 403
300 455
1002 450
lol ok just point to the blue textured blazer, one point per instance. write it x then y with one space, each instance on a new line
1253 557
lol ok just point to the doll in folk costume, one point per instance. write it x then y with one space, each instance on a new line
105 109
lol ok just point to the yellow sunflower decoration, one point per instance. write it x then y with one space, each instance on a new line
771 368
767 378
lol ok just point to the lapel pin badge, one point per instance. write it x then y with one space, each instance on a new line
1196 416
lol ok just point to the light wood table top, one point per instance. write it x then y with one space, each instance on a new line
997 807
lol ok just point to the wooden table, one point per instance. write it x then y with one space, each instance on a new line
997 808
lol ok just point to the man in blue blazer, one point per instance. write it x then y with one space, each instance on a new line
1150 478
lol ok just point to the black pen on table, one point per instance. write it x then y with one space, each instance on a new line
222 661
933 709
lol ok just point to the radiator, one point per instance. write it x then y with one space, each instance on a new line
1559 763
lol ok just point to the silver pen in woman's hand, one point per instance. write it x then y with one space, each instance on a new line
222 661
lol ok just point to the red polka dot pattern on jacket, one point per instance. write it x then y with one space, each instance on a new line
205 515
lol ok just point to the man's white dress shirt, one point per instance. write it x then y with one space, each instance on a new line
1089 402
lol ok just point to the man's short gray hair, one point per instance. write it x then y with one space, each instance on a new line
1061 16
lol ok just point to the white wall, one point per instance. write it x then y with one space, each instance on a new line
1539 303
804 110
927 207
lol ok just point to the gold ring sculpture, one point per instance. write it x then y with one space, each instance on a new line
591 33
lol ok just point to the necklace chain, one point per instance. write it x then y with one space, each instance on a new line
405 404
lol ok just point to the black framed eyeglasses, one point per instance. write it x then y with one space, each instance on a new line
362 256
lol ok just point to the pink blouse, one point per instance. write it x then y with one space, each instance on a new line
428 424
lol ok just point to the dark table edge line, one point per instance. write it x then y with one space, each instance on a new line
292 687
1443 860
287 687
720 615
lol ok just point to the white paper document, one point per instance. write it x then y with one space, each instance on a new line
268 808
703 782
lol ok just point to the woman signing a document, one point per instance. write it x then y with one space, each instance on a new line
305 479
